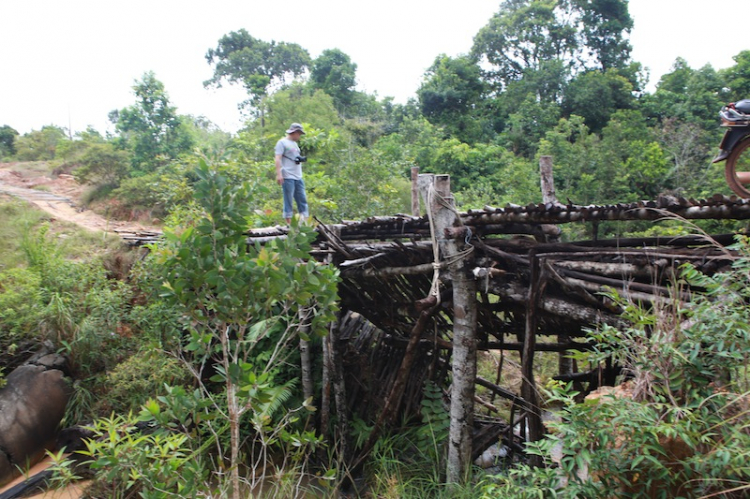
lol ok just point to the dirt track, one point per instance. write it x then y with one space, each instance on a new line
60 198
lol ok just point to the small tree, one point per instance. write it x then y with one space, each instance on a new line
243 306
103 165
7 138
151 128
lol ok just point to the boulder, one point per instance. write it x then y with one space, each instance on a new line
32 404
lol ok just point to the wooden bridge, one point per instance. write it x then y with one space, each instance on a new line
420 295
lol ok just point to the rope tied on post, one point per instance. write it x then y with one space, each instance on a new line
434 196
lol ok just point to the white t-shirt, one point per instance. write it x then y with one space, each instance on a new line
288 150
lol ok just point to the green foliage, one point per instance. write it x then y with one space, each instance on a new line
103 164
398 468
738 76
210 140
79 306
221 283
151 128
242 307
521 36
595 95
254 63
334 72
20 314
436 420
128 461
524 482
63 469
142 376
689 95
450 95
70 151
604 25
158 192
7 141
625 164
300 104
39 145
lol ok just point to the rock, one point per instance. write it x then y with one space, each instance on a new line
6 469
74 438
53 361
492 456
32 404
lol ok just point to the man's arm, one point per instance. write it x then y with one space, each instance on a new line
279 176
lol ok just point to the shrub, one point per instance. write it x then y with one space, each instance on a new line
142 376
127 460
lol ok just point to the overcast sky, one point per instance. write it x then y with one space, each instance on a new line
69 63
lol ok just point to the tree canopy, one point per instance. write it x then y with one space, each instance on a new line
151 127
542 77
254 63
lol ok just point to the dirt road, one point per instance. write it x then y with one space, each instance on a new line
60 197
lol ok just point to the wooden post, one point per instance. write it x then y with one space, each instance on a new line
551 232
547 180
564 363
415 191
528 384
305 314
464 359
325 397
306 360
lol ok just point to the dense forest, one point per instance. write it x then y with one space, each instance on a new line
544 77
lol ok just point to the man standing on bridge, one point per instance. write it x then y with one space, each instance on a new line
289 172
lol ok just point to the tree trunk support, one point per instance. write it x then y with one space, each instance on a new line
304 350
565 363
444 219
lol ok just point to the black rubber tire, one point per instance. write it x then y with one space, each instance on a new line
738 161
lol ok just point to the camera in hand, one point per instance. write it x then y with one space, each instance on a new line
300 159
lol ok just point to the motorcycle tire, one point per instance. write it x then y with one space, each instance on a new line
737 169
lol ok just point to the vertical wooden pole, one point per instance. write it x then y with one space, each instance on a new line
547 180
528 384
304 315
325 396
415 191
307 381
464 360
549 197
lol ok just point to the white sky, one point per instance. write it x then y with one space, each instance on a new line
69 63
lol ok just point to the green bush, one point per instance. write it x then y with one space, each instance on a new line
141 377
128 461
